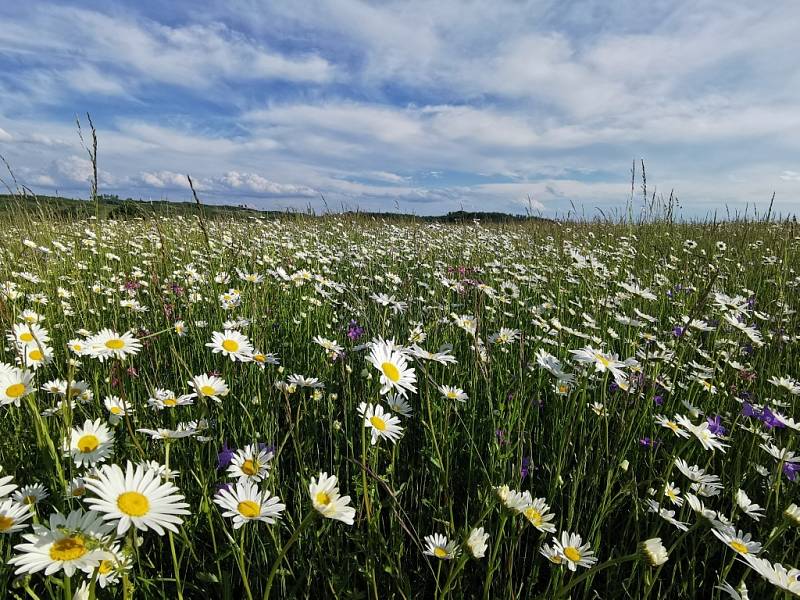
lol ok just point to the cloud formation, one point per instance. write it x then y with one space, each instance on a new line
425 107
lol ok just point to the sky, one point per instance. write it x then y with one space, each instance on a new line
409 106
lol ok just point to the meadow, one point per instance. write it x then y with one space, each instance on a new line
351 407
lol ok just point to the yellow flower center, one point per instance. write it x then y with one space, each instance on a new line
739 547
6 523
31 499
133 504
105 567
116 410
170 402
391 372
88 443
249 509
115 344
452 395
439 552
230 345
208 390
68 548
15 390
259 358
322 498
26 337
35 355
378 423
572 553
250 467
534 516
602 360
78 492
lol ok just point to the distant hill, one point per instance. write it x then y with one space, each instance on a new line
114 207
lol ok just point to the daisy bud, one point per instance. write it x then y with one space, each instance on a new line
654 551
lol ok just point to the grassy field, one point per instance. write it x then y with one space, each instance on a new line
577 410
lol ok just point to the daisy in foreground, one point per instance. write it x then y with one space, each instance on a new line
325 496
136 497
393 365
232 344
570 550
91 444
208 386
382 423
109 344
250 463
66 543
438 545
477 542
246 503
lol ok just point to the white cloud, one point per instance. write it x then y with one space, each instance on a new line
5 136
195 55
165 179
251 182
790 176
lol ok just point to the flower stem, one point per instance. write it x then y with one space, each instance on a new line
309 517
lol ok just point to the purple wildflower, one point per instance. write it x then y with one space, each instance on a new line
225 456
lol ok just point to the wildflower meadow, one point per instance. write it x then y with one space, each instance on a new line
346 406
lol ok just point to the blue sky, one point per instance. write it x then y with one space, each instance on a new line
424 107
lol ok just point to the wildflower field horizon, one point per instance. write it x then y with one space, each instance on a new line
350 407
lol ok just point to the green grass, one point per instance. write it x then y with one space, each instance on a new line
594 471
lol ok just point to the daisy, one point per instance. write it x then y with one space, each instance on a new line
250 463
537 515
399 405
438 545
90 444
551 553
655 552
27 334
111 567
792 512
382 423
453 393
602 361
673 493
138 498
752 510
776 574
109 344
30 494
667 515
261 358
326 499
66 543
707 439
514 500
232 344
13 516
570 549
15 384
477 542
302 381
117 407
162 399
209 386
393 366
246 503
671 425
7 484
737 540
